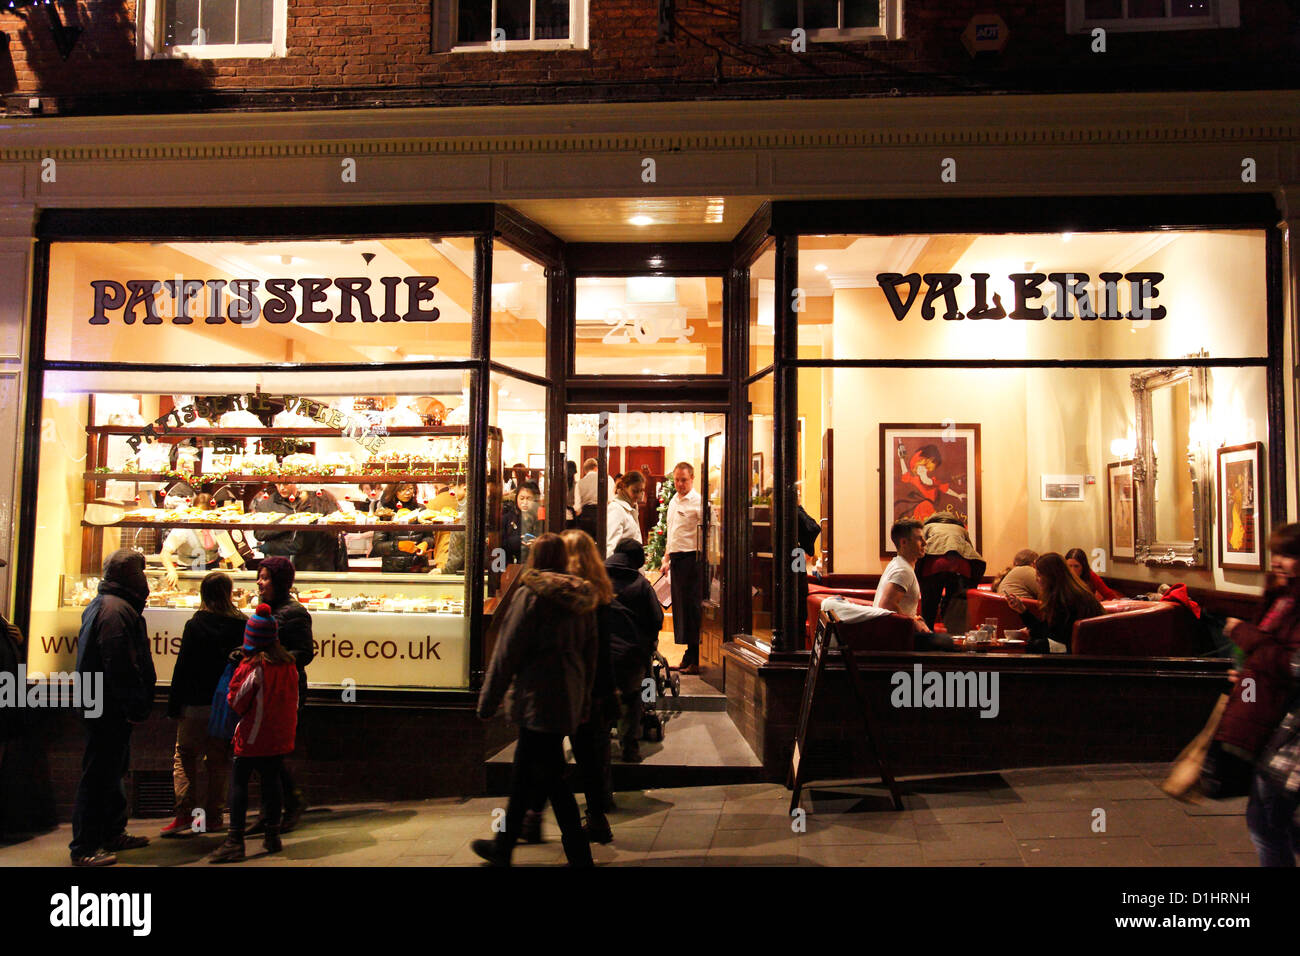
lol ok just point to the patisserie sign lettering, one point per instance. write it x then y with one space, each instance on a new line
278 302
254 402
1027 286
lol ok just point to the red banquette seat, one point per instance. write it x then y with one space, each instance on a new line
981 604
892 632
1140 629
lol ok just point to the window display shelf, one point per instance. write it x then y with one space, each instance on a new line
277 526
314 479
405 431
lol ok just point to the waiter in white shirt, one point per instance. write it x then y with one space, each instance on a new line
682 559
588 491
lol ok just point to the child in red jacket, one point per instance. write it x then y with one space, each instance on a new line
264 692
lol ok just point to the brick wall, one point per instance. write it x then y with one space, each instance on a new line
353 54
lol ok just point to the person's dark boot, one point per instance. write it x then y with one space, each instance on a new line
293 811
496 852
271 840
258 827
597 829
577 850
531 831
232 851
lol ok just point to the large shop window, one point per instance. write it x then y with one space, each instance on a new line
1138 465
649 325
359 474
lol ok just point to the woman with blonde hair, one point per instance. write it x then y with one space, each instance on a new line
591 740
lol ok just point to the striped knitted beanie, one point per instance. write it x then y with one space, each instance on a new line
260 631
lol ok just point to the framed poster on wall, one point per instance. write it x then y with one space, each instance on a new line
926 469
1240 507
1119 496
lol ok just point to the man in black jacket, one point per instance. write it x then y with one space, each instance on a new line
112 648
630 654
274 578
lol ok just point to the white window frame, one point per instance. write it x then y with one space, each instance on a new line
150 31
891 26
1224 14
576 40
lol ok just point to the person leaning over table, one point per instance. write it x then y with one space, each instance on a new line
1064 600
1020 579
900 591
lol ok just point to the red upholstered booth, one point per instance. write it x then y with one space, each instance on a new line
852 587
892 632
1146 629
815 608
981 604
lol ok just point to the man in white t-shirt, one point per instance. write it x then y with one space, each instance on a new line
899 591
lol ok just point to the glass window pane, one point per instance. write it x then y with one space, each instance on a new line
821 14
513 16
217 21
519 306
1192 8
1065 424
1141 9
363 578
779 15
474 21
762 308
552 19
649 325
1103 9
517 509
861 13
255 20
410 301
1210 286
182 19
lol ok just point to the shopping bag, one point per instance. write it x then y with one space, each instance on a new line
1187 766
223 719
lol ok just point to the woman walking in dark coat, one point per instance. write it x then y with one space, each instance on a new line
215 630
546 649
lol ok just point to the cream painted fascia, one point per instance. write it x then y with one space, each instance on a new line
992 121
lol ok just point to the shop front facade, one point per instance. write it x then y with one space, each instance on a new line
869 310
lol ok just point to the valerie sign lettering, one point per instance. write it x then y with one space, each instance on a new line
1073 295
275 303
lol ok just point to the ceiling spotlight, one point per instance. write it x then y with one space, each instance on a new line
526 266
641 221
820 267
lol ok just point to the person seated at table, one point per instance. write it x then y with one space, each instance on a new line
1077 562
1064 601
900 592
1020 579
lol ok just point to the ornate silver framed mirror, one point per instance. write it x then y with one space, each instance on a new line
1171 469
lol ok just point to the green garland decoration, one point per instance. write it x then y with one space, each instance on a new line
654 549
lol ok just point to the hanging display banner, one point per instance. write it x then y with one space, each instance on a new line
1027 287
277 303
216 406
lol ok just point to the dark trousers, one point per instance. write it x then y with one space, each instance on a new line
538 776
591 752
938 591
99 811
269 773
630 689
684 568
1270 817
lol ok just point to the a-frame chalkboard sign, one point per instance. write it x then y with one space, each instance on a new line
816 664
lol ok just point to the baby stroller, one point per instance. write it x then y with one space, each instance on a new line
666 681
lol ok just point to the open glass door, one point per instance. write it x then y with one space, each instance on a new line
712 627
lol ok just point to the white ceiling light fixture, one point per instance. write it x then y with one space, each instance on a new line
820 267
641 220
